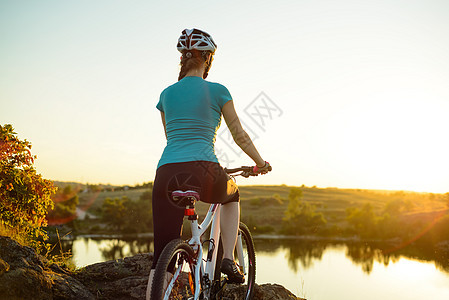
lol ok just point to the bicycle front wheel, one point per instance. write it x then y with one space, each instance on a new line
246 259
174 277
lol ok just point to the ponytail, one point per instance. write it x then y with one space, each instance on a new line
193 59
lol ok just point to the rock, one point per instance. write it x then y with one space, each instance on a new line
4 267
26 275
118 279
65 287
23 277
262 292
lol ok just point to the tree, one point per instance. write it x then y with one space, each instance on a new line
25 196
301 217
115 211
362 220
294 203
64 209
128 216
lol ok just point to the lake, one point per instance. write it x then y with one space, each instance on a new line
317 270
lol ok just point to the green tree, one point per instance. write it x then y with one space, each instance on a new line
394 207
128 216
25 196
64 209
301 217
294 203
139 214
363 221
114 211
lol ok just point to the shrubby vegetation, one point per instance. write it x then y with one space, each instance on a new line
127 216
275 199
301 217
65 203
25 195
257 228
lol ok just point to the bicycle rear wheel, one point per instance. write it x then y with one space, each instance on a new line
248 257
178 259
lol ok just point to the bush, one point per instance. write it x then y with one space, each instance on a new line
266 201
255 228
64 209
25 195
363 221
128 216
255 201
301 217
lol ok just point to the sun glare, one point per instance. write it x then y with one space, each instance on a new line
407 269
398 143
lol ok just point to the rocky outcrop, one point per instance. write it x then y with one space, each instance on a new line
117 279
26 275
262 292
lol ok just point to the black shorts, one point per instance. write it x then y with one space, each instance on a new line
207 178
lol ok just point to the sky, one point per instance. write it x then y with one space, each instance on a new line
348 94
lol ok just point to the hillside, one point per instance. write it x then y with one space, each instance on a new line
263 207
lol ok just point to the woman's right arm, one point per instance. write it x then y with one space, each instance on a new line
163 123
239 135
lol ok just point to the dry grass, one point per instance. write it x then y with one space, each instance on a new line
15 234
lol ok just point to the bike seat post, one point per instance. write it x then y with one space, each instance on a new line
189 211
187 200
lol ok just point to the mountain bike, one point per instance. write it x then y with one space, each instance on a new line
183 272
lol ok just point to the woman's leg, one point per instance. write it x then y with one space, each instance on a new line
229 225
167 218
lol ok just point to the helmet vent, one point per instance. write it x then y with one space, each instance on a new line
195 39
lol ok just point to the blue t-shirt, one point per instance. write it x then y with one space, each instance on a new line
192 108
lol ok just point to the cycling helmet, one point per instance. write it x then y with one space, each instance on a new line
195 39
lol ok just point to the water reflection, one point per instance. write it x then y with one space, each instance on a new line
303 253
116 248
365 255
299 254
302 266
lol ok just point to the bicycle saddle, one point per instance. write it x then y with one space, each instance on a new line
185 198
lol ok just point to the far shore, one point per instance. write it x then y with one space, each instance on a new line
143 235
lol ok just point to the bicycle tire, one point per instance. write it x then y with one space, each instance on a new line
176 254
250 262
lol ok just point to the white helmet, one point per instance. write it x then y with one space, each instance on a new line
195 39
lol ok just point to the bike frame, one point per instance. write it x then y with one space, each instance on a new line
207 268
212 217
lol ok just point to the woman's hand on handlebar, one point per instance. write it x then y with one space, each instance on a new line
262 170
248 171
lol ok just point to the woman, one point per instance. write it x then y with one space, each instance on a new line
191 112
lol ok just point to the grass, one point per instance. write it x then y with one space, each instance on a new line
15 234
63 258
264 214
92 201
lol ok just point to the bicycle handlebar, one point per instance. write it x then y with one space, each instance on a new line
246 171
